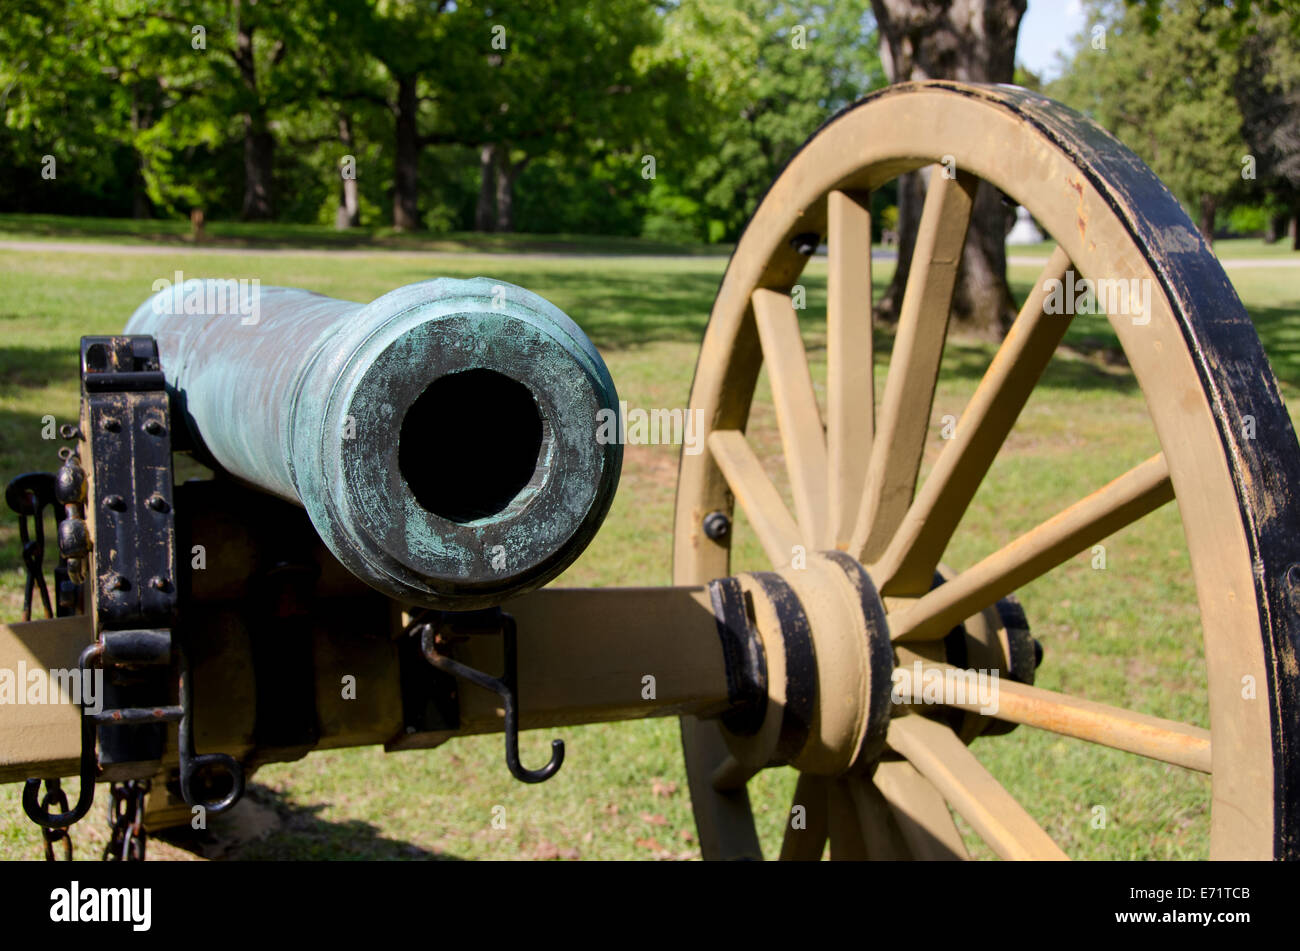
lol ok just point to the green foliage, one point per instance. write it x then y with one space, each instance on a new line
155 109
758 80
591 195
1206 93
673 216
1165 91
1247 219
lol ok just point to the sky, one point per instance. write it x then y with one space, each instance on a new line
1046 29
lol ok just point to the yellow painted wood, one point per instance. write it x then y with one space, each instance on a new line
807 844
44 739
847 837
904 421
1120 502
850 386
776 529
1166 740
970 789
907 566
797 415
882 839
920 811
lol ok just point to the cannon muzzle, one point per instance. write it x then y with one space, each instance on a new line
442 438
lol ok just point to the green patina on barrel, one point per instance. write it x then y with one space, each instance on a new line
442 438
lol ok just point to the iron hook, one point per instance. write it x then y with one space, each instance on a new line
506 687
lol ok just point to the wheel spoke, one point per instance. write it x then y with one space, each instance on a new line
730 775
908 564
776 529
1137 492
797 415
850 386
914 366
970 789
920 811
808 843
724 820
1166 740
861 823
847 842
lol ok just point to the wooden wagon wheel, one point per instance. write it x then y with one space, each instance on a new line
1201 369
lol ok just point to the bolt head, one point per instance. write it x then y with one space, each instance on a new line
717 525
806 242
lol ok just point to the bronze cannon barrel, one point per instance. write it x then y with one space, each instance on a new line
443 438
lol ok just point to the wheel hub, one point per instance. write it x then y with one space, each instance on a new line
830 666
829 663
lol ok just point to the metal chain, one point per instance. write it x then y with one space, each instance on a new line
33 553
56 797
126 821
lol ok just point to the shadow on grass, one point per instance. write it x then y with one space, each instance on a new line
267 827
31 367
24 373
1279 329
622 309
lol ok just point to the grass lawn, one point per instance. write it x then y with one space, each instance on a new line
240 234
1127 635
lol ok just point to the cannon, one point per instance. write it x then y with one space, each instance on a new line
441 438
364 554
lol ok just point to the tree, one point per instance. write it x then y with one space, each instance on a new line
752 82
418 46
529 101
63 95
968 41
1267 90
1165 87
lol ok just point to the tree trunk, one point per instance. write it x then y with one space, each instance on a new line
259 151
406 167
1209 205
1293 229
1276 228
485 212
348 214
969 41
259 143
141 207
506 176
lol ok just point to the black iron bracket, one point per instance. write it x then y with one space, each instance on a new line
743 657
126 425
135 649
